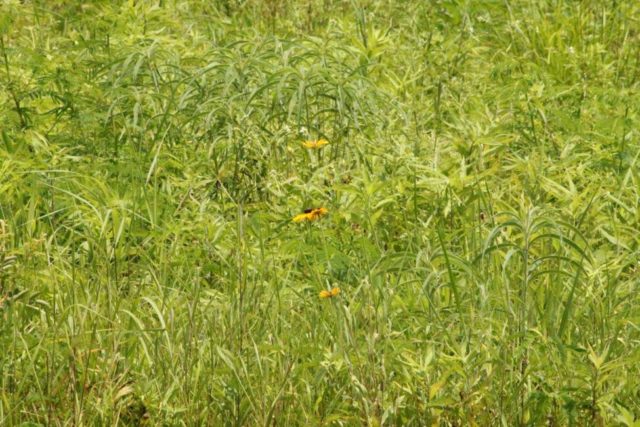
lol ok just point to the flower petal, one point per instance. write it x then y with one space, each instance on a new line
301 217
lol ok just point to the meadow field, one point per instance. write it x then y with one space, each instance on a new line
320 213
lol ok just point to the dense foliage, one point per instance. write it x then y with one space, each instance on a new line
482 192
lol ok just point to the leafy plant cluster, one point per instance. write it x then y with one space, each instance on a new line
482 188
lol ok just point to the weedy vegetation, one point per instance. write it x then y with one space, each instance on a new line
464 175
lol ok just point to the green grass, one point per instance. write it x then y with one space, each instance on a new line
484 212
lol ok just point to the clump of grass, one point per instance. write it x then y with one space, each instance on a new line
240 213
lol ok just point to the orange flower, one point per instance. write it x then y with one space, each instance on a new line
315 144
329 294
310 214
301 217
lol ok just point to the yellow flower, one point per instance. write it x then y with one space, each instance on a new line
315 144
329 294
310 214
